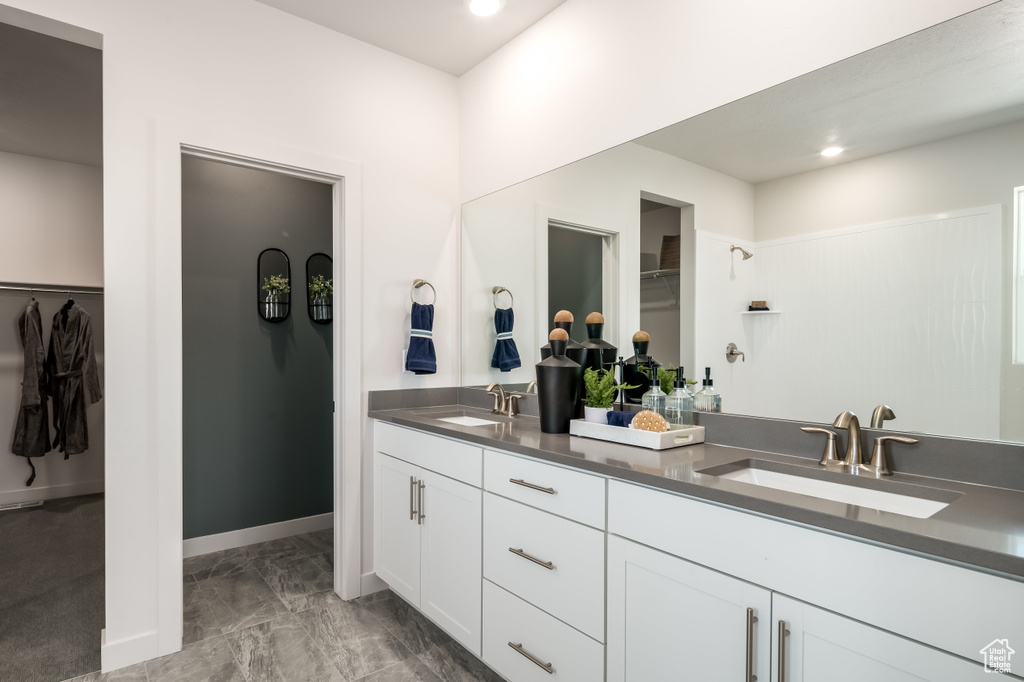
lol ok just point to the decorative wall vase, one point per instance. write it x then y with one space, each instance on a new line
273 285
320 288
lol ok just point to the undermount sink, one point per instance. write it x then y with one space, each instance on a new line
900 498
466 420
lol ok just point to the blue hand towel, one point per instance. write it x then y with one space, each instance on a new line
506 355
421 357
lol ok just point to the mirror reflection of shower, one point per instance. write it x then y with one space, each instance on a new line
746 254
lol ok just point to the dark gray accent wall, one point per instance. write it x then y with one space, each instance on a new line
257 418
574 276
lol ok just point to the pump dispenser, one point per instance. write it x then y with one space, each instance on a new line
708 399
679 403
654 399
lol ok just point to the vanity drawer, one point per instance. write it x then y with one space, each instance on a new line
568 493
510 620
573 588
461 461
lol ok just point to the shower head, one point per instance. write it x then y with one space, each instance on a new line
746 254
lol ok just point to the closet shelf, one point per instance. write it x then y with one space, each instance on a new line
50 289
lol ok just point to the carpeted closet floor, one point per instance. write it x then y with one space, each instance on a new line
51 589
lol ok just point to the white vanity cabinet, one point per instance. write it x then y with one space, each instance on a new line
819 645
544 570
900 617
427 530
670 619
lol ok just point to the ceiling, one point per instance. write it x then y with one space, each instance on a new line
439 33
51 98
964 75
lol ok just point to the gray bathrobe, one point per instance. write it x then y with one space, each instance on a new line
71 366
31 432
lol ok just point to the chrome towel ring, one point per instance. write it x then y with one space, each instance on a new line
498 290
416 284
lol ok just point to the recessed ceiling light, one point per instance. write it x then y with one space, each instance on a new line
485 8
831 151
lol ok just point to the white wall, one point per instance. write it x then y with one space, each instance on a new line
242 67
51 223
960 172
51 219
602 191
596 73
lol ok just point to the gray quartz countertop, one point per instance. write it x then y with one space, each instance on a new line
982 528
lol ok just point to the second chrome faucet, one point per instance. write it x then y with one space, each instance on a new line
854 461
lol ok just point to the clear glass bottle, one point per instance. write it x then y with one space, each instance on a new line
654 399
679 403
708 399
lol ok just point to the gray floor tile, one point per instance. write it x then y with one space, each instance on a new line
199 621
294 579
279 547
411 670
217 564
352 638
452 663
208 661
316 542
133 673
281 649
406 623
241 600
325 560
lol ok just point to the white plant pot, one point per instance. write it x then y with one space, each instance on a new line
598 415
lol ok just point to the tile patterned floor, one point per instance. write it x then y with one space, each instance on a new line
266 613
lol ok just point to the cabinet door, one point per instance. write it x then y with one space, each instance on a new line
821 646
672 620
451 557
396 534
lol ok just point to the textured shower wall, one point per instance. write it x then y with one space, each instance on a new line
905 313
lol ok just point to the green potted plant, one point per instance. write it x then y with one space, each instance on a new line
275 286
601 390
321 291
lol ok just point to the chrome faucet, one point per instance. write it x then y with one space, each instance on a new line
881 413
499 397
854 458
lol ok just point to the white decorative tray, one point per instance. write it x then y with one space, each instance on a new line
652 440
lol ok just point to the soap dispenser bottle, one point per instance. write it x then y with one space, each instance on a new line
654 399
708 399
679 403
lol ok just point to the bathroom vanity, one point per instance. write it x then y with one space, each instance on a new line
556 557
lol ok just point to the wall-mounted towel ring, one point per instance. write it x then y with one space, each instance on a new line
498 290
416 284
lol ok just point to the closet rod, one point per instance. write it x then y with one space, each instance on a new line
7 286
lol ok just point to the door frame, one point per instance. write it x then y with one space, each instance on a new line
172 140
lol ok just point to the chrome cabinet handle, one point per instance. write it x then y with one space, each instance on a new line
781 672
519 552
751 619
419 504
533 659
412 495
531 486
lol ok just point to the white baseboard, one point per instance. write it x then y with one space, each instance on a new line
127 651
370 583
50 492
249 536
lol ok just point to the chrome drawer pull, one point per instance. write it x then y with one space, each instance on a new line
531 486
533 659
783 631
412 497
519 552
751 619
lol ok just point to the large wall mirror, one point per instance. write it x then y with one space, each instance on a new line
889 269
